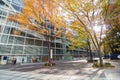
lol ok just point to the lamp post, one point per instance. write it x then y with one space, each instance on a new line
50 36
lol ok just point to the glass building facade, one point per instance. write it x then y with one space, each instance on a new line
27 44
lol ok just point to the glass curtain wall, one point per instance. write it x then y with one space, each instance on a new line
20 44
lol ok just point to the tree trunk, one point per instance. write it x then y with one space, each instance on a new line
90 53
90 56
100 57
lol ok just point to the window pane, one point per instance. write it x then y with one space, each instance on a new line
8 49
38 42
59 51
19 40
29 41
6 30
45 50
45 43
5 49
4 39
9 23
58 45
17 49
37 50
16 7
22 34
10 39
29 50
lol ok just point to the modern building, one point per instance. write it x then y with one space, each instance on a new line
26 45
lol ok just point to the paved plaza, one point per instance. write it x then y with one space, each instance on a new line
70 70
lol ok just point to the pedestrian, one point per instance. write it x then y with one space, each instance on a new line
51 62
15 60
22 60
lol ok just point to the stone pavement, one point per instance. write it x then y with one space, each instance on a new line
14 75
73 70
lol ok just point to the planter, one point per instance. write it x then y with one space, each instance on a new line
48 64
91 61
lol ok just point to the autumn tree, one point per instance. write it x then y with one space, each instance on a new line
40 16
35 12
88 14
78 38
112 19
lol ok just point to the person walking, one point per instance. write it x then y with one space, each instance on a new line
22 60
15 60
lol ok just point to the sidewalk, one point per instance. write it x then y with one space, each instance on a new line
68 70
7 75
62 61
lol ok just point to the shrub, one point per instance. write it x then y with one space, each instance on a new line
48 64
96 64
108 65
53 64
90 61
105 65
